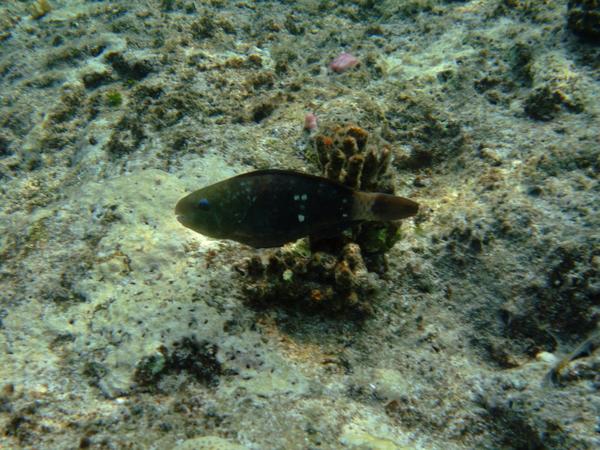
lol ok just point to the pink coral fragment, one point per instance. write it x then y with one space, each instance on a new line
343 62
310 122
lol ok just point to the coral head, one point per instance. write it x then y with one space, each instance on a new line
344 62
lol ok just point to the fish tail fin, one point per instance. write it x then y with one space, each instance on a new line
383 207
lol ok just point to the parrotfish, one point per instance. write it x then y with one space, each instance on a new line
268 208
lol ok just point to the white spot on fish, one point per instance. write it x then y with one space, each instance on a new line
304 197
300 217
344 215
296 197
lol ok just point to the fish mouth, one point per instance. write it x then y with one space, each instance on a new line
185 221
178 208
182 219
179 212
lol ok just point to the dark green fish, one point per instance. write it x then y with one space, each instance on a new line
268 208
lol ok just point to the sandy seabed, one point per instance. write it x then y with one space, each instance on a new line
119 328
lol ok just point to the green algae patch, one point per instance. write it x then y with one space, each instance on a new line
113 98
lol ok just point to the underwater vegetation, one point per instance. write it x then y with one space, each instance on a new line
114 98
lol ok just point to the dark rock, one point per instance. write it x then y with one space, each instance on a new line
546 102
129 68
126 138
95 79
583 19
197 358
5 149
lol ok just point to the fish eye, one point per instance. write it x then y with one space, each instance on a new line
203 204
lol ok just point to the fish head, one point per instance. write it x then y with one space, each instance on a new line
200 212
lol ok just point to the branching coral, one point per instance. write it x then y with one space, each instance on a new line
346 155
313 281
332 273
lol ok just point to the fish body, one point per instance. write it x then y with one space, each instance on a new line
267 208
